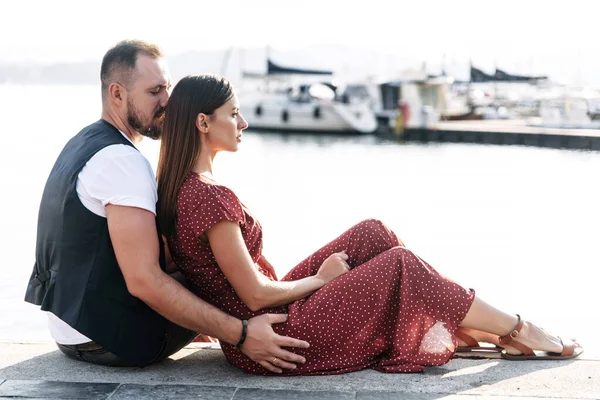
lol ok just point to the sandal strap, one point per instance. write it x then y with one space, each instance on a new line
509 339
513 334
468 339
569 348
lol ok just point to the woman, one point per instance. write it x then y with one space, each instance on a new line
361 301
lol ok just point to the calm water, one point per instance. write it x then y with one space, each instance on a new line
518 224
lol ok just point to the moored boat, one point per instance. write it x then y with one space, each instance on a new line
293 99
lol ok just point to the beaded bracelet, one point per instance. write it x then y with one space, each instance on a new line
244 332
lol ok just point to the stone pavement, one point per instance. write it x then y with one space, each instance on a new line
40 371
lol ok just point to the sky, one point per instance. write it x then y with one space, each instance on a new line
527 36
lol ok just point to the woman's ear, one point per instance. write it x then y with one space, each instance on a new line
202 123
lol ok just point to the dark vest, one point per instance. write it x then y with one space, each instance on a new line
76 275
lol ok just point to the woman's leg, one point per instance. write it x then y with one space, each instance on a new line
394 313
477 336
486 318
361 242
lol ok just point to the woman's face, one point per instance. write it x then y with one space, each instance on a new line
225 127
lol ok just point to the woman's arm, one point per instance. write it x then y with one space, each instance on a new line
255 289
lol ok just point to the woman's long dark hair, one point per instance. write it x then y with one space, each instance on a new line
180 140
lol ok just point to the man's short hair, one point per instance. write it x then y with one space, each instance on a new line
118 64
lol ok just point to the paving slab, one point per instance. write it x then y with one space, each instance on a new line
207 370
57 390
179 392
270 394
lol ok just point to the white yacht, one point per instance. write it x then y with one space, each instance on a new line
292 99
567 112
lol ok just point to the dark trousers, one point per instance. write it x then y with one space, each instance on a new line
175 339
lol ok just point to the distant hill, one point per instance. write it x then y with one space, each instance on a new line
347 63
228 62
63 73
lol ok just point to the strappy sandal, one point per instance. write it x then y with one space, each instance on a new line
570 350
475 349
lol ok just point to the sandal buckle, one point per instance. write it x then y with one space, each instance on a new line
514 334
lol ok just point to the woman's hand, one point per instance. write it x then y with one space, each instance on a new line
334 266
171 266
266 265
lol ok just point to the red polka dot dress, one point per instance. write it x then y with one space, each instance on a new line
391 312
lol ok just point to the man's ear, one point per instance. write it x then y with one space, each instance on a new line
116 93
202 123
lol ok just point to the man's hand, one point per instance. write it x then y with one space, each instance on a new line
264 346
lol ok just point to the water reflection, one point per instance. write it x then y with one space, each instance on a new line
319 140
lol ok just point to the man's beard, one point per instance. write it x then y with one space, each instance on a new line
153 129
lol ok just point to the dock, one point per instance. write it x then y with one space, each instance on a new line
502 132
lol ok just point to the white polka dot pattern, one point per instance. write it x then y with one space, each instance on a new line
392 312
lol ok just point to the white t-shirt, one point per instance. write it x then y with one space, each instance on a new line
119 175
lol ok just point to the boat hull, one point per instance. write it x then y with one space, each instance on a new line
314 116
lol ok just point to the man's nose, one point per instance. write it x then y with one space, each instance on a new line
164 98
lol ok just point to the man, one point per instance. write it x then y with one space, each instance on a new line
100 265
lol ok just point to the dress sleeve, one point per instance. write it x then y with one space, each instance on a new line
216 203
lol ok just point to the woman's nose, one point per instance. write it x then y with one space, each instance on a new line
242 124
